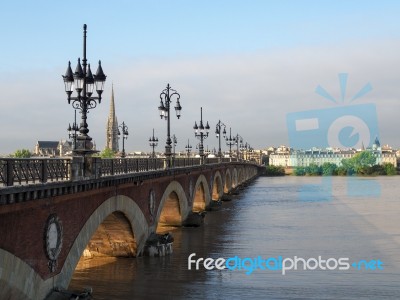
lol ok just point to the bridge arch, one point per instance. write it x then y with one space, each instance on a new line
173 207
118 203
217 188
201 194
18 280
227 181
235 178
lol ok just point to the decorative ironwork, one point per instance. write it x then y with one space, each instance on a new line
125 133
28 170
201 132
153 141
84 83
218 133
164 109
39 170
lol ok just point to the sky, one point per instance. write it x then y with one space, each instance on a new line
247 63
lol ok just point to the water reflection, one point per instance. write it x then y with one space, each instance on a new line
270 220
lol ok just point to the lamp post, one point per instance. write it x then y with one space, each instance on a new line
72 131
165 100
125 133
238 140
188 148
230 141
207 152
84 82
174 142
153 141
245 148
201 133
218 133
214 151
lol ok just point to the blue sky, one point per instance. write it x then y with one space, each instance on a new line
248 63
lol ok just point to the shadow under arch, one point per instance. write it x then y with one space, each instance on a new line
201 194
217 188
118 203
228 181
173 208
113 238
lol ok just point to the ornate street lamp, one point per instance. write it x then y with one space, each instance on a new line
245 148
230 141
201 133
83 81
72 132
239 141
188 148
207 152
218 134
165 100
153 141
125 134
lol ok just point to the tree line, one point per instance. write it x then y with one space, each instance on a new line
363 163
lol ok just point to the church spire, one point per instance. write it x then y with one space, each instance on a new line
112 126
112 104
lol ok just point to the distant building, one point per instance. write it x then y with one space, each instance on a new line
52 148
112 127
46 148
287 157
65 148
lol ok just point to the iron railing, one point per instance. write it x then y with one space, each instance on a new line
115 166
42 170
28 170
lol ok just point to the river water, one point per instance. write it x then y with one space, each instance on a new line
307 217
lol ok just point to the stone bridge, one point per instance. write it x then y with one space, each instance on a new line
111 208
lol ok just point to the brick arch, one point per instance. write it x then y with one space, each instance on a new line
118 203
217 188
227 181
173 187
205 194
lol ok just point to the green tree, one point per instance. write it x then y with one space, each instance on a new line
362 160
107 153
389 169
342 171
299 171
329 169
313 169
275 171
360 163
347 167
22 153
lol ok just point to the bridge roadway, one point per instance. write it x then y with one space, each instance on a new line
54 212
